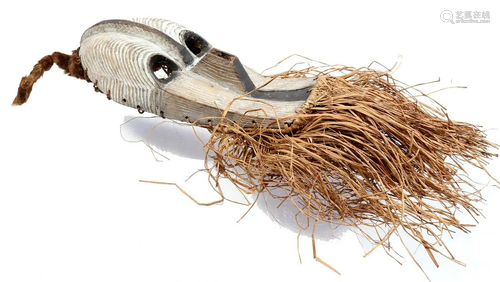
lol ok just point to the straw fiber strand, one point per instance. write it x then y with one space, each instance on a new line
361 152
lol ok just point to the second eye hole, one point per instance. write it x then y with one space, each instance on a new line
195 43
162 67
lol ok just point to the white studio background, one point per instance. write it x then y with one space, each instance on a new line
71 204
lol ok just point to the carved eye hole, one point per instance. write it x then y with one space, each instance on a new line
162 67
195 43
194 46
161 71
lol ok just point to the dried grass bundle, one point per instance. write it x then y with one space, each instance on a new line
362 152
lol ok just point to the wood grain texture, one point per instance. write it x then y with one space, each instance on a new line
117 58
218 66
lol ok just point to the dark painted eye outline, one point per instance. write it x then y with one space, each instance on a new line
195 43
162 68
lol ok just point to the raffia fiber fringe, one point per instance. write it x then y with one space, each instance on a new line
361 152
